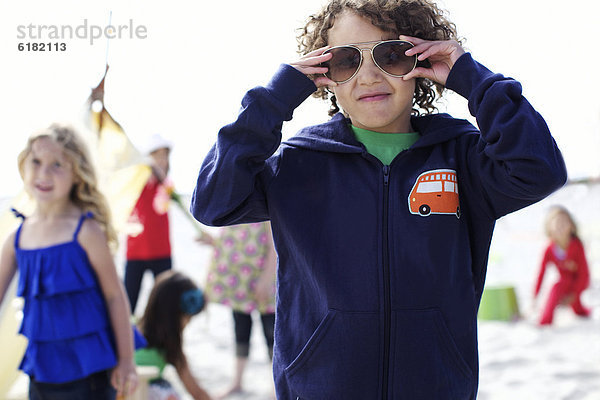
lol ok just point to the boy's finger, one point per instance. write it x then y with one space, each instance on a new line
313 61
421 49
318 57
323 81
414 40
317 52
310 70
418 72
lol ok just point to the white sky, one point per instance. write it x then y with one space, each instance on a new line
186 79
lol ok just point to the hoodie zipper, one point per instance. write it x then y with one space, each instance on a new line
386 284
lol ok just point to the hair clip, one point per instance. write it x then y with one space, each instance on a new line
192 301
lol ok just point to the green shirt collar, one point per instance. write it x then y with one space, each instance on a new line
384 146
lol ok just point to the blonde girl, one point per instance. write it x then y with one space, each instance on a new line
75 310
567 253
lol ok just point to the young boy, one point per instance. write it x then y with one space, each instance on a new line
382 217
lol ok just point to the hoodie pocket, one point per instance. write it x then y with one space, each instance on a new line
425 359
340 360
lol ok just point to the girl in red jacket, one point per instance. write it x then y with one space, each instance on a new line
566 252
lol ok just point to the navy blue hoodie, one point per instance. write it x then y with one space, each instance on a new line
381 268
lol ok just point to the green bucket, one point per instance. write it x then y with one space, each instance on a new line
499 303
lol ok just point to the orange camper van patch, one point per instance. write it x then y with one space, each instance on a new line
435 192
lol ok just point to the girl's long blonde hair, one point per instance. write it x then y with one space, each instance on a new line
84 193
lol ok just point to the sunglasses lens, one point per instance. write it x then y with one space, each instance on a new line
343 64
390 57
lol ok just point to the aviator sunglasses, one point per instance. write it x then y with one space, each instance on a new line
388 56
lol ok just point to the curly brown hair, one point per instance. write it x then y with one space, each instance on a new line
418 18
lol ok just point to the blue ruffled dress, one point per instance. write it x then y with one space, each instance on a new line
65 317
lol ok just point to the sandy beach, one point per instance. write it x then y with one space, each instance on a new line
209 338
518 359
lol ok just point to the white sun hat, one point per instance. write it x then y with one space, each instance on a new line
155 142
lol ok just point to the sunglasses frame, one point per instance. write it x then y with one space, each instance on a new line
360 51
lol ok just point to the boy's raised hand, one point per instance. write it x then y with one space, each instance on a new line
309 65
441 54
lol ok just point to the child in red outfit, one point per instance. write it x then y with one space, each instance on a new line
566 252
150 249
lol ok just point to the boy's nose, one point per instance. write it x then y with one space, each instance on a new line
369 72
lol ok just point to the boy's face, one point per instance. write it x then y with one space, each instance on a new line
373 100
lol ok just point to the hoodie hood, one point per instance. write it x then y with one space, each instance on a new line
336 136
